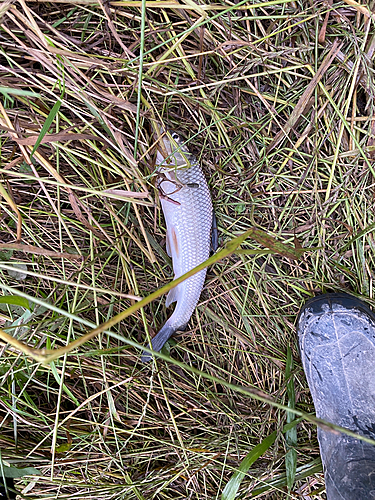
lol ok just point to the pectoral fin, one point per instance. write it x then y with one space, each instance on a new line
172 246
174 242
171 297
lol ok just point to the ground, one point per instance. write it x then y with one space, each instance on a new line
275 99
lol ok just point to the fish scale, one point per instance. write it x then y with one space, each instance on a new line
188 212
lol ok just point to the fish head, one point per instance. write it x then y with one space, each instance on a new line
172 152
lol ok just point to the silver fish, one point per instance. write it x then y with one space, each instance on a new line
187 207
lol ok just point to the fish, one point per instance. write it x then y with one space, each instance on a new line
187 207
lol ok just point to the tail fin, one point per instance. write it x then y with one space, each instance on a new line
158 341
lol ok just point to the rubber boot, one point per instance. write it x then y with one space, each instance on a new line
337 345
8 493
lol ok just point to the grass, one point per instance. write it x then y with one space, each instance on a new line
276 100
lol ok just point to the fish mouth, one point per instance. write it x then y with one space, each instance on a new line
172 152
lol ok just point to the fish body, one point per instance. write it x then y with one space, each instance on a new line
188 212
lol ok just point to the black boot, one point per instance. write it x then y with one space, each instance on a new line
8 493
337 344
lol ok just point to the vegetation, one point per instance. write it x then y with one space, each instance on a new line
276 99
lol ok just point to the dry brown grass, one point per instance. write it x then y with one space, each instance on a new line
278 106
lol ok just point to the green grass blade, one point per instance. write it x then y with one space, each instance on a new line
15 472
291 466
279 481
291 434
234 483
15 301
47 124
59 381
27 93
